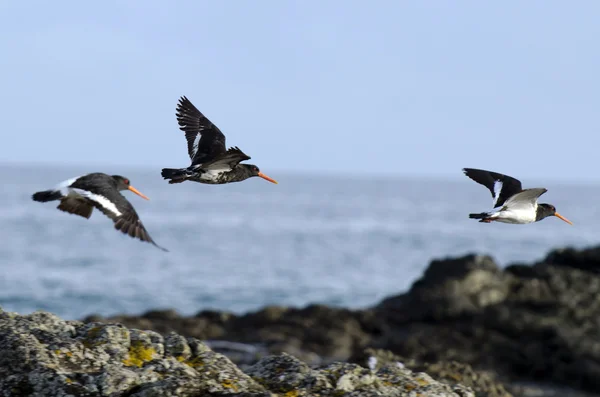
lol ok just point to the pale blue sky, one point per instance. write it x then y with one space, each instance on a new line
421 87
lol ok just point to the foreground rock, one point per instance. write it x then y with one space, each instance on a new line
317 334
42 355
482 383
523 323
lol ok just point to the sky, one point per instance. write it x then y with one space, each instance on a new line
420 88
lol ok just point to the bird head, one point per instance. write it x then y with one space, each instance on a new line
550 210
254 171
124 184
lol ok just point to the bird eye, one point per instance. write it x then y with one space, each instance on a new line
126 181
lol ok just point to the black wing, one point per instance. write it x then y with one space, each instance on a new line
129 223
502 186
205 140
227 160
114 205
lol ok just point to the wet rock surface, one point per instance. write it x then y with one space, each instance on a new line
43 355
524 323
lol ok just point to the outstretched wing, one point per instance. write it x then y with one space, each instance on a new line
525 199
114 205
502 186
205 141
226 161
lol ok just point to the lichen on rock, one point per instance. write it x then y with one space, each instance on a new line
42 355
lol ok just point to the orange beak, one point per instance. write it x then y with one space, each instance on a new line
263 176
137 192
559 216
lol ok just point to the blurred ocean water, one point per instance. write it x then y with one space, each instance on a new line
238 247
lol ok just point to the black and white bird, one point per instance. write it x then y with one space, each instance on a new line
512 204
80 195
212 163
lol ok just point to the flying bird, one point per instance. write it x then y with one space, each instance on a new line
212 163
512 204
80 195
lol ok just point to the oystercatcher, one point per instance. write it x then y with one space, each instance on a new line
80 195
212 163
512 204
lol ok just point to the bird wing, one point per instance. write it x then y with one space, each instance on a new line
525 199
76 206
205 140
115 206
227 161
502 186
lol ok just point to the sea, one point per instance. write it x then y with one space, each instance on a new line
333 239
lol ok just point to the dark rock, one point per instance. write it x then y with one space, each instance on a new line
588 260
537 324
449 288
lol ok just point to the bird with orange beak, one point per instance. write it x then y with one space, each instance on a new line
80 195
512 204
212 163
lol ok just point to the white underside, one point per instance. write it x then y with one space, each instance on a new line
520 208
515 216
211 174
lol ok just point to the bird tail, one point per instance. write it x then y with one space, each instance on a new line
174 175
47 195
481 215
484 216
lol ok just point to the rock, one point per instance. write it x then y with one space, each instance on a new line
540 323
42 355
288 376
588 260
311 333
452 373
451 287
524 323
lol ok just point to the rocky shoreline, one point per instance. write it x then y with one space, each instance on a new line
42 355
466 328
525 323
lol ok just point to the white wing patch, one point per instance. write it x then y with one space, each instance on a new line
195 146
103 201
63 187
497 190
